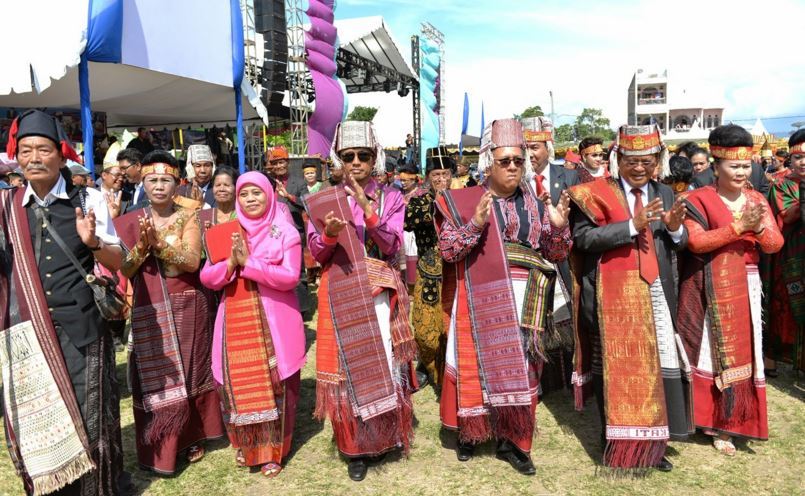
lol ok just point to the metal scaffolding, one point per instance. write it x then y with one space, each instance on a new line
436 36
298 87
415 62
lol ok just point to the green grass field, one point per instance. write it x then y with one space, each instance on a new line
565 452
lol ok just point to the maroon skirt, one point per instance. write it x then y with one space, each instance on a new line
193 318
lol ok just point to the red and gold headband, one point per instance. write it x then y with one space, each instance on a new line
160 168
408 175
592 149
532 136
799 149
639 142
732 152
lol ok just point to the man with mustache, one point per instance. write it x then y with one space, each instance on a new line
70 443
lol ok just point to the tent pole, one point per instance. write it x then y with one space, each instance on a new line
87 131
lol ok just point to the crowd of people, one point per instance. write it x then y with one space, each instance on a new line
665 286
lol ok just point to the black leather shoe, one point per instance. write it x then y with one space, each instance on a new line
356 468
422 379
519 461
464 451
665 465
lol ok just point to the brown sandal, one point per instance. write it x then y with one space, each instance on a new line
240 459
195 453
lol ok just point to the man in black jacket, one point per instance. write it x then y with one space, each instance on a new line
625 228
549 181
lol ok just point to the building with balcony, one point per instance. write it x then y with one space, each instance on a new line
681 115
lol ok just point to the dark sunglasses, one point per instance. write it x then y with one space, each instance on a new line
505 162
348 157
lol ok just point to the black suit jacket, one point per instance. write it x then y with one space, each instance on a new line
186 191
144 203
298 188
562 179
757 178
593 241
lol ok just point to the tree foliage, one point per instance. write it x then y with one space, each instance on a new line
591 122
535 111
564 133
283 139
360 113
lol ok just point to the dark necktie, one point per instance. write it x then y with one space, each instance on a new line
645 244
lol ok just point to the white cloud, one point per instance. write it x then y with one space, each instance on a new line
510 54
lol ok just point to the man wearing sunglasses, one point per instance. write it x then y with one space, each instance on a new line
365 347
497 240
111 187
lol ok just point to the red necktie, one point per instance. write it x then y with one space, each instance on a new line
540 187
645 244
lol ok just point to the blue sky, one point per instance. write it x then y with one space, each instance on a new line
510 53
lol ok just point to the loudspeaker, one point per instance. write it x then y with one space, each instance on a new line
269 20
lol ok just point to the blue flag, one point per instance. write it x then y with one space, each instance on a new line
483 124
464 123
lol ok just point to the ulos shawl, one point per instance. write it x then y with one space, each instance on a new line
637 422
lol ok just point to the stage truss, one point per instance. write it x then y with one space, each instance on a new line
299 87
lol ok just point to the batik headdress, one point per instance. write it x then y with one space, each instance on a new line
498 134
639 140
358 134
539 129
196 154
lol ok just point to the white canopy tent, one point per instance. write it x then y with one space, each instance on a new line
176 66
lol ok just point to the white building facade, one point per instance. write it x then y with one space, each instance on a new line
652 98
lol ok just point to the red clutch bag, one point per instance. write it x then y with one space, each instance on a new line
218 239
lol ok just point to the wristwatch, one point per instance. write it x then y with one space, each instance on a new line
100 245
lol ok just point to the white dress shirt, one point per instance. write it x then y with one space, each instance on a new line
138 192
95 201
676 236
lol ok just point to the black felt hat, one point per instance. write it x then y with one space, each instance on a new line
38 123
438 159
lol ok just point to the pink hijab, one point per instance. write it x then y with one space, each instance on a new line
260 229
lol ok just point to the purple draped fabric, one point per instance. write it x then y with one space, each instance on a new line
320 46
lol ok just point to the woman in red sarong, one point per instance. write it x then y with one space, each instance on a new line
176 406
719 315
